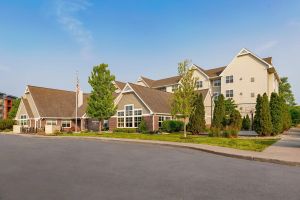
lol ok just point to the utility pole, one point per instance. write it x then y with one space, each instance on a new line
77 88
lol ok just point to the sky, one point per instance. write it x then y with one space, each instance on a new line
44 42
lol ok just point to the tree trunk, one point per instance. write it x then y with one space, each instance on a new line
184 128
100 126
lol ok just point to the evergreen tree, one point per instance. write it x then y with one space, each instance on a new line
182 102
197 119
266 122
257 116
142 128
276 113
235 121
219 113
246 123
101 101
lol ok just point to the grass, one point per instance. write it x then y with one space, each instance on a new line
255 144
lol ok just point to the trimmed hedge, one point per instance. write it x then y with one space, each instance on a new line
125 130
6 124
171 126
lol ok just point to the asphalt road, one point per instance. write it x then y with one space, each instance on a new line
78 169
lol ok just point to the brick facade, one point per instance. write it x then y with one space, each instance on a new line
112 123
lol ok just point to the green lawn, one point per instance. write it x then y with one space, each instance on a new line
255 144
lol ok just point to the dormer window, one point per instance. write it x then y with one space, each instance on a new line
199 84
229 79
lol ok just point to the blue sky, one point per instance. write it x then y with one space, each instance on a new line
44 42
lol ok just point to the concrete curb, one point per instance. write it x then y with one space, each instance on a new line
199 147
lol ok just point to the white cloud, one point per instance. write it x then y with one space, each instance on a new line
66 15
266 46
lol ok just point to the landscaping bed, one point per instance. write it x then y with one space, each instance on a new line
255 144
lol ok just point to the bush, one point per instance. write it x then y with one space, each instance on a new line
246 123
230 133
6 124
171 126
143 127
125 130
235 120
295 114
214 132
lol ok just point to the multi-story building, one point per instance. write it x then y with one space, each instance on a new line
5 105
246 76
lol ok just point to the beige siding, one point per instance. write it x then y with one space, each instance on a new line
201 77
32 105
21 111
243 68
131 98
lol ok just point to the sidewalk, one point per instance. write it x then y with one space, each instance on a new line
285 151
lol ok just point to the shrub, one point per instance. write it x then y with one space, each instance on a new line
295 114
171 126
6 124
235 120
143 127
125 130
230 133
246 123
266 123
276 113
214 132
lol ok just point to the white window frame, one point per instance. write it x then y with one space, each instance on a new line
50 122
229 79
217 83
66 122
162 118
229 93
216 94
23 120
122 116
199 84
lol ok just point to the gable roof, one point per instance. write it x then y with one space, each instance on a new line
268 60
27 108
120 84
158 101
214 71
56 103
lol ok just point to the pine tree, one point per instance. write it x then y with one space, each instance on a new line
246 123
197 120
257 117
219 113
235 120
101 101
276 113
266 123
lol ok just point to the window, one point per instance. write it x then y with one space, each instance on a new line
161 119
23 120
66 124
216 94
120 122
229 79
252 79
217 83
174 87
128 110
199 84
252 94
229 93
51 122
128 122
129 117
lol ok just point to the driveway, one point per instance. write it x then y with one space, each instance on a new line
45 168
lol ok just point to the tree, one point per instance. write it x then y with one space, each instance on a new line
182 101
15 106
197 119
257 116
230 107
276 113
219 113
295 114
286 116
235 120
266 122
285 91
101 101
246 123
